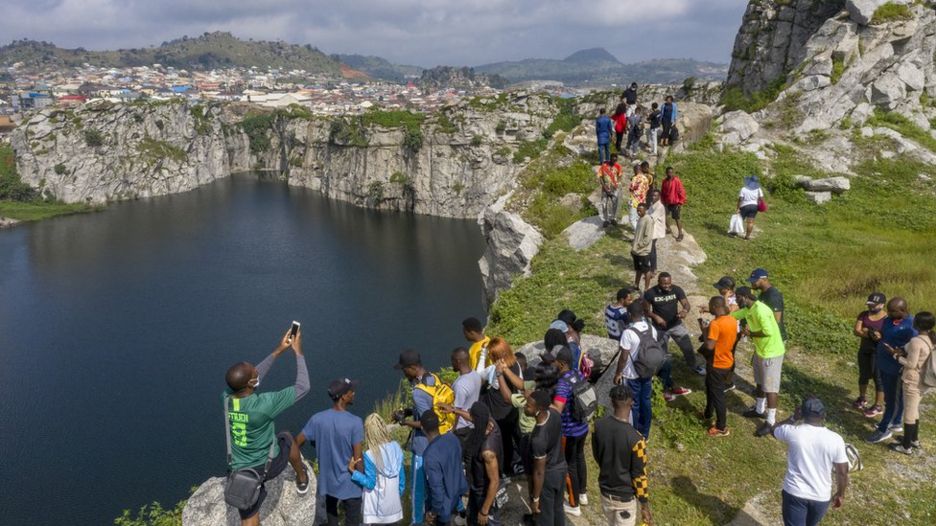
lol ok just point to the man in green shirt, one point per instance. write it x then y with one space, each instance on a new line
767 362
251 416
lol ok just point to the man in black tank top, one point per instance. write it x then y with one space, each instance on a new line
484 452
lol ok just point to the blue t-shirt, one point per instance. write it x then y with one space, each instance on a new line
896 335
334 434
422 401
616 318
570 426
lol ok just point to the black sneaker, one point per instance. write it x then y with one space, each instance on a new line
752 413
764 430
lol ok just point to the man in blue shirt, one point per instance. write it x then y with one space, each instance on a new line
896 332
669 114
445 477
336 435
414 372
603 130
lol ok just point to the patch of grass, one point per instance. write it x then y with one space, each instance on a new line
202 117
903 126
11 186
891 12
489 104
38 210
152 515
93 138
393 119
347 131
734 98
477 140
153 150
257 126
547 180
566 119
531 149
838 69
445 124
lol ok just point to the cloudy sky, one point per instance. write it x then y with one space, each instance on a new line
422 32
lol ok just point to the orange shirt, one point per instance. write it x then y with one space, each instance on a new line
724 330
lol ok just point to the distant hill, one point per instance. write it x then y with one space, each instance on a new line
441 77
379 68
208 51
598 66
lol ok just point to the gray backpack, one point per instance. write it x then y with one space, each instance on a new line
651 354
243 486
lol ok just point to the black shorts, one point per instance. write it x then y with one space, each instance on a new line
675 211
641 263
276 467
749 211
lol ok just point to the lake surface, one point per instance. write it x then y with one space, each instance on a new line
116 329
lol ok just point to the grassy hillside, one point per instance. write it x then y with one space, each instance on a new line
19 201
210 50
379 68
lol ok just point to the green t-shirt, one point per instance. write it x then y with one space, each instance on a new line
526 423
760 318
252 428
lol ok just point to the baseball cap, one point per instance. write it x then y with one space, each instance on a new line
407 358
813 407
758 273
340 386
876 298
745 292
726 282
564 355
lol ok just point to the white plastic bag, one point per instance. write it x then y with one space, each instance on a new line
736 225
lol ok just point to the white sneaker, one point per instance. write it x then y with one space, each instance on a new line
896 428
583 499
458 520
572 510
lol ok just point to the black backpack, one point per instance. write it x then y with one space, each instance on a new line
674 134
651 354
584 398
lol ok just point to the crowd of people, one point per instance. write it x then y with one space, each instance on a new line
503 418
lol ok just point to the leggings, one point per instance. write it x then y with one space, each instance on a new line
574 449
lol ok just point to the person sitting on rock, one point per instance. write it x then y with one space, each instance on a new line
252 430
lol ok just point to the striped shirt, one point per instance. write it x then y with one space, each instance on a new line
616 318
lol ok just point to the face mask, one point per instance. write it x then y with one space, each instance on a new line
875 310
254 383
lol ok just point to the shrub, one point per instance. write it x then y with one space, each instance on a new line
60 169
445 124
530 149
838 69
734 98
154 150
904 126
152 515
501 127
11 186
412 140
93 138
477 140
257 128
347 132
891 12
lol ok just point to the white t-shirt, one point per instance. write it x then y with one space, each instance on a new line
810 457
630 343
749 197
467 388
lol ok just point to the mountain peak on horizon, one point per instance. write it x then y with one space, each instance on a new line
595 54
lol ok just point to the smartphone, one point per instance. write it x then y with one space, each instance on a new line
293 330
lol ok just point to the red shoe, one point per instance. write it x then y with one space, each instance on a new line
675 392
715 432
860 403
873 411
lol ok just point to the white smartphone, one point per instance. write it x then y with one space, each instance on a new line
293 330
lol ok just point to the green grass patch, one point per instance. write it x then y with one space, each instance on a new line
838 69
734 98
566 119
152 515
37 210
153 150
891 12
529 149
903 126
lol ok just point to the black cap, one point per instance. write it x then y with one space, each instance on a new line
877 298
726 282
564 355
340 386
407 358
813 408
745 292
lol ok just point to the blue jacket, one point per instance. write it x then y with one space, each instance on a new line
670 117
445 478
603 129
896 336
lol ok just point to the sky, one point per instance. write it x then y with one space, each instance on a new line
419 32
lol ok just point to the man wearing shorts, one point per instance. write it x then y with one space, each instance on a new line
642 246
673 194
767 362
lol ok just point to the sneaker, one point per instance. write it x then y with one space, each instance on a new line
583 499
764 430
896 428
680 391
901 449
916 444
700 370
575 511
460 519
731 387
879 436
873 411
303 487
752 413
714 432
860 403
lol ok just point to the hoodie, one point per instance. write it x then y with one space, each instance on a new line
383 486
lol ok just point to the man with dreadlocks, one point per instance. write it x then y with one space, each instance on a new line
484 454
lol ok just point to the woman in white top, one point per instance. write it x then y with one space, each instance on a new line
383 480
748 199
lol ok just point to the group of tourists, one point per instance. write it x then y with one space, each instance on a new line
634 122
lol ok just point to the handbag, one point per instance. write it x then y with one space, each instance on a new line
736 225
761 204
243 485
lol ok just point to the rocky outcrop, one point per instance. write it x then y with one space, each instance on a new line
511 244
6 222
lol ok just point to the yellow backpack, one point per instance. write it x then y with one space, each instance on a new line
441 393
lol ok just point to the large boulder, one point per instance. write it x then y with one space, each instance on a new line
585 233
737 127
282 507
601 350
861 11
511 244
819 197
836 185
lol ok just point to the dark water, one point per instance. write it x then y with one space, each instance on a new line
116 329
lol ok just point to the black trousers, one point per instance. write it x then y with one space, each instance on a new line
716 380
575 459
510 434
618 139
551 512
350 507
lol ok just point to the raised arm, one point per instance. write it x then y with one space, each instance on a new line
302 371
264 367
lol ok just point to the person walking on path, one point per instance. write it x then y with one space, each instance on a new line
638 188
620 125
473 331
673 195
868 323
669 116
655 118
720 337
603 130
337 436
667 305
467 388
574 431
748 202
767 362
657 213
609 180
642 246
252 430
635 131
444 472
770 296
913 359
896 332
630 96
383 480
621 455
549 465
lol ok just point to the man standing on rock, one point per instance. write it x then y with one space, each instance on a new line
445 475
642 246
603 131
337 436
630 96
767 362
467 389
252 432
770 296
673 194
667 305
657 213
473 331
670 114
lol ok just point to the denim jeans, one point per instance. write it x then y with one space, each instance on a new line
893 400
604 152
802 512
641 412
